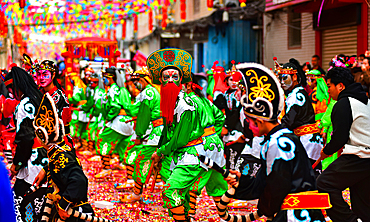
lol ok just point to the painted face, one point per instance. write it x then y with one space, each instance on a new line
44 78
138 85
232 83
286 81
253 126
171 75
106 81
94 84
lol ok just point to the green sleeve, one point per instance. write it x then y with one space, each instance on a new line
76 97
211 85
143 122
113 107
132 109
89 104
326 119
219 118
181 136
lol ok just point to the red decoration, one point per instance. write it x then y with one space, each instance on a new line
168 56
150 20
3 25
123 29
210 3
17 37
243 3
183 10
164 17
109 34
136 22
22 3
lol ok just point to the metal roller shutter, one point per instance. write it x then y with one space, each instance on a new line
338 41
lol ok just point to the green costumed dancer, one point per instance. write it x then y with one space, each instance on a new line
91 79
78 122
116 133
92 124
183 132
98 111
211 117
327 127
319 95
148 130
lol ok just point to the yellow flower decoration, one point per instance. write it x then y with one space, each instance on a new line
261 90
46 120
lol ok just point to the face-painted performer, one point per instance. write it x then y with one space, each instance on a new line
148 130
229 102
30 66
319 96
183 134
211 117
29 159
65 171
116 134
286 169
299 113
47 74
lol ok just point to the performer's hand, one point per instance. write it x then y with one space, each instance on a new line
13 171
138 142
323 155
324 137
155 157
232 181
39 178
239 140
224 131
62 213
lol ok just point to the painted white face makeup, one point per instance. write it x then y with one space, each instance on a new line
171 75
286 81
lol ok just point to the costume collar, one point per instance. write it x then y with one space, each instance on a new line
56 149
274 130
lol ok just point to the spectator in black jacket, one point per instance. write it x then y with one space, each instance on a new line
351 129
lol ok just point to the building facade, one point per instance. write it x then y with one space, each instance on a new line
303 28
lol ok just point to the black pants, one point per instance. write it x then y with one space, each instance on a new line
347 171
27 208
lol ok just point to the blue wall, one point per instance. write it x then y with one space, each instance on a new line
239 43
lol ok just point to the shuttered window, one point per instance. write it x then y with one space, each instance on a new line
338 41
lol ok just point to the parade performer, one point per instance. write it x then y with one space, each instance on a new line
351 126
319 96
65 173
29 157
148 130
183 132
327 130
299 114
78 123
229 102
47 74
286 169
211 117
116 133
96 120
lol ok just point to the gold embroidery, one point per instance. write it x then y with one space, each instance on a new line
261 90
59 163
291 201
46 120
146 167
180 60
156 64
